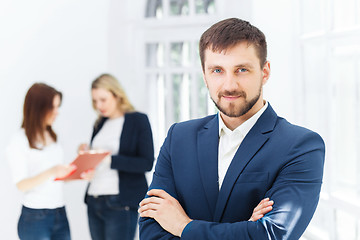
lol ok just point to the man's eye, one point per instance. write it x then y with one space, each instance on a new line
242 70
217 71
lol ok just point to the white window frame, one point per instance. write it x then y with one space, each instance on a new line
329 38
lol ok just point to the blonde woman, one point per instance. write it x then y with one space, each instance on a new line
36 158
118 183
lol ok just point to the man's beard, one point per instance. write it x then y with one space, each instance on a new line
234 111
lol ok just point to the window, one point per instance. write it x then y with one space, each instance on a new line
172 63
160 8
330 82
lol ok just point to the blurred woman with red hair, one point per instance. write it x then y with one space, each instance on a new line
36 159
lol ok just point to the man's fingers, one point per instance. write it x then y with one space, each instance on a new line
265 210
158 193
262 211
263 204
260 205
148 200
148 213
149 206
268 203
265 207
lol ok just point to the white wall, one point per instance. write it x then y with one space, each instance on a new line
276 20
65 44
124 54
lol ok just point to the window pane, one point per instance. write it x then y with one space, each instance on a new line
197 55
321 221
202 91
315 96
312 15
179 7
160 82
154 55
181 97
205 6
346 134
180 54
154 9
344 13
357 14
345 226
176 79
211 7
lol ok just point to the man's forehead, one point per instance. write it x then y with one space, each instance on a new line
241 58
224 49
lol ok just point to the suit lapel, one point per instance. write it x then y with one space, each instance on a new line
253 141
208 141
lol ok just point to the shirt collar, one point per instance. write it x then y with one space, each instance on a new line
245 127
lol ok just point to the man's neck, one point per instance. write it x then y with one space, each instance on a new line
233 122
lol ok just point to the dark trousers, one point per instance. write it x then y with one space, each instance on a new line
110 221
44 224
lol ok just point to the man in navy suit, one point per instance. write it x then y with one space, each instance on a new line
212 172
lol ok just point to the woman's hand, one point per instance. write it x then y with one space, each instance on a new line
83 147
261 209
88 175
57 171
60 171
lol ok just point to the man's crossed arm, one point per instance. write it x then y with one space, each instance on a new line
171 216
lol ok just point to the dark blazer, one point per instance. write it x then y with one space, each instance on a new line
135 157
276 159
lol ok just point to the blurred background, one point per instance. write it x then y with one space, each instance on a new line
151 47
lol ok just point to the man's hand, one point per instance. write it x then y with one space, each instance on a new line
166 210
261 209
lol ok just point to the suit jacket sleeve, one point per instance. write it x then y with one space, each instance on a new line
295 192
162 179
136 152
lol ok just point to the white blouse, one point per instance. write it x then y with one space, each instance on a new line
106 180
26 162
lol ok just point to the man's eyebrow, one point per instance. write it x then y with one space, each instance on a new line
241 65
213 66
245 65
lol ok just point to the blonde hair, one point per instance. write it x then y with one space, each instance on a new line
110 83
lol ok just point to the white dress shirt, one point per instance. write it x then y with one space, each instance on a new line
229 141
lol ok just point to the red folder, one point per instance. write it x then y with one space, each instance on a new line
84 162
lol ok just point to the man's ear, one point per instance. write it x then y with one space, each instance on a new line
265 72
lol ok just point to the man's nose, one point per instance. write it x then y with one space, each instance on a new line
230 82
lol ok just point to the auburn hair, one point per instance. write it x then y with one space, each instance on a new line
37 105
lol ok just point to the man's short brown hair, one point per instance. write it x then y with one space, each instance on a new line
230 32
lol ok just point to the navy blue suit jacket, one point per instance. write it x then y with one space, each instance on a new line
276 159
135 157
